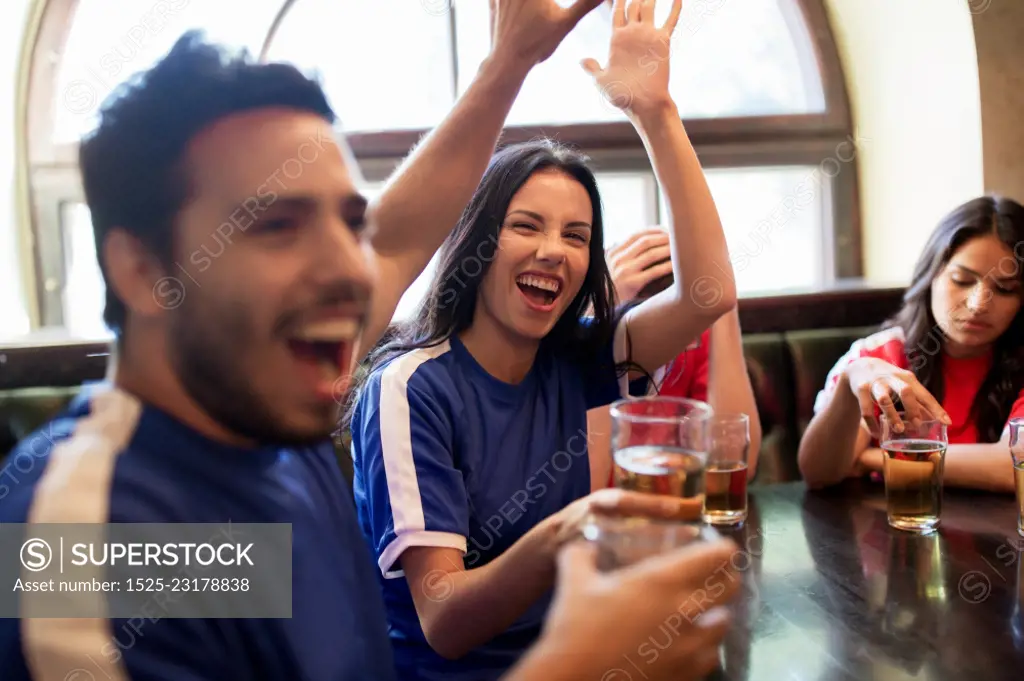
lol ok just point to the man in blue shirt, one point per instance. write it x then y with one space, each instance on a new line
232 244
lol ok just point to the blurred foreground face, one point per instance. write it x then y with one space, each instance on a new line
274 279
976 295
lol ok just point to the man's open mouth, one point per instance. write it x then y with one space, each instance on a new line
540 290
324 350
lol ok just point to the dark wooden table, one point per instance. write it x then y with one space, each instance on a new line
831 593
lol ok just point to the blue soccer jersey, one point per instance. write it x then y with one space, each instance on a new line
446 455
111 458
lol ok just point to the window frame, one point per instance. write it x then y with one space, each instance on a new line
807 139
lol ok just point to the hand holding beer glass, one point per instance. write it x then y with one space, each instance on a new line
1017 454
913 460
660 446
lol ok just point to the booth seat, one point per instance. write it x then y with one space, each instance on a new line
788 368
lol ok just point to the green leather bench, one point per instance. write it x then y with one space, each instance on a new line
787 369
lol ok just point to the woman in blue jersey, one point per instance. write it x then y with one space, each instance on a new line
469 432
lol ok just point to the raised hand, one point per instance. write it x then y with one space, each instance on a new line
636 77
642 258
529 31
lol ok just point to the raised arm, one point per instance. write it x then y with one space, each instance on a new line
424 198
704 287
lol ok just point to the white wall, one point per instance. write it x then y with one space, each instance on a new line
912 75
13 315
1001 67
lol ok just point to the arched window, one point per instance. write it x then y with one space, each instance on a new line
758 84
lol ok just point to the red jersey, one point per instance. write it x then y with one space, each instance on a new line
687 375
962 377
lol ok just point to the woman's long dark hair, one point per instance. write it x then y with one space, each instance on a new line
924 340
467 253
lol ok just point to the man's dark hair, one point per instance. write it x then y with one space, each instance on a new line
132 164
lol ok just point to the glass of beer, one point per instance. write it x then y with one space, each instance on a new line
1017 453
660 445
912 466
725 476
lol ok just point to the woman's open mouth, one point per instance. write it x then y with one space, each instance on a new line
539 291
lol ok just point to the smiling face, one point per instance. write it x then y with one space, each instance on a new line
274 280
542 258
976 296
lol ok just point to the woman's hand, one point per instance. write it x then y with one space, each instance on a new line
570 520
636 77
875 382
636 262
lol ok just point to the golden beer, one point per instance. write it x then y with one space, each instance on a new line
657 469
913 483
725 492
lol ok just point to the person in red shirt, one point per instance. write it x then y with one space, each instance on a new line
712 369
954 352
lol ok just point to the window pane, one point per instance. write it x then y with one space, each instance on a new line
728 59
774 221
83 283
628 204
112 39
385 65
744 59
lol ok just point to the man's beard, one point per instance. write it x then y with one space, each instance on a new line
204 355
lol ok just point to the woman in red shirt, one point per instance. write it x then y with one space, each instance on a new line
711 370
954 352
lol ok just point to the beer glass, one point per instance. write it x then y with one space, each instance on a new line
725 476
1017 454
660 445
912 465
